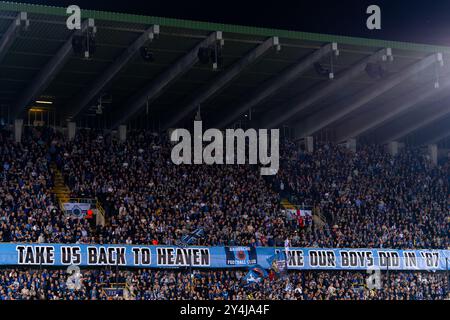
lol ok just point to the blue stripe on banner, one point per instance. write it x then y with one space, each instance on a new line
219 257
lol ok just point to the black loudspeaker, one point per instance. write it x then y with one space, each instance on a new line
146 54
204 55
82 43
77 44
321 70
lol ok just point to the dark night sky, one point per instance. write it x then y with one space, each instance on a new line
424 21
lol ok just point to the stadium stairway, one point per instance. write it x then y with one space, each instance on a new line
318 218
60 189
287 205
62 192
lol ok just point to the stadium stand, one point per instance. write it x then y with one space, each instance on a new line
95 126
146 202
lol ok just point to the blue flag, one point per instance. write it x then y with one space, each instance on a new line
255 275
192 237
278 262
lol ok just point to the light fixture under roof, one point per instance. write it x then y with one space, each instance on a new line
36 110
44 102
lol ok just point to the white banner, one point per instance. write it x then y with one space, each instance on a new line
300 212
76 209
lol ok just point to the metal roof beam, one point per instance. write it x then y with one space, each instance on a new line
435 132
407 125
105 78
12 33
330 115
300 102
223 80
379 115
48 73
157 86
271 86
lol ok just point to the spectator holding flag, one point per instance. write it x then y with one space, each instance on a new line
256 274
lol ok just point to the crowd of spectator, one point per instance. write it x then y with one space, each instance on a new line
28 208
147 198
144 284
367 199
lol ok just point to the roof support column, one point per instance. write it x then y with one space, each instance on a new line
123 133
393 148
18 128
71 130
309 142
433 153
351 144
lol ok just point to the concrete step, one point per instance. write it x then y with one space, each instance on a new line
61 191
60 188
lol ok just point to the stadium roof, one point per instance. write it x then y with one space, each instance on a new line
258 83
